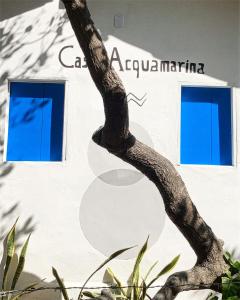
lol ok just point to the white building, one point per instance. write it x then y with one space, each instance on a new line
83 203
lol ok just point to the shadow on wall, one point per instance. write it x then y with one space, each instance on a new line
8 214
18 35
193 31
30 36
11 9
48 289
27 279
22 232
26 42
5 170
198 31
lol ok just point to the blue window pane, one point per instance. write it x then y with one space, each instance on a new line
206 126
35 131
222 127
56 93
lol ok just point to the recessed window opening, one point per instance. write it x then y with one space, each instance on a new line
206 125
36 120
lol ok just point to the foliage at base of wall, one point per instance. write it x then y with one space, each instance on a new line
230 281
137 285
13 265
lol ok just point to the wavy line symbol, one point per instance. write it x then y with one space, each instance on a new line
138 101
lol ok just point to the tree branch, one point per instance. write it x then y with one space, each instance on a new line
104 76
116 138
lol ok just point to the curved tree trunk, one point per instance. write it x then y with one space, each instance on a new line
116 138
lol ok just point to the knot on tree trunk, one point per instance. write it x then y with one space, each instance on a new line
100 138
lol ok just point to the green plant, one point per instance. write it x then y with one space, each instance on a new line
10 261
137 287
230 282
61 284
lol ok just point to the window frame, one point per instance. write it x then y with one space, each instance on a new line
65 108
233 122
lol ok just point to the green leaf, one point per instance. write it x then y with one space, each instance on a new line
135 275
144 290
229 258
111 257
226 283
135 293
134 278
21 263
212 297
18 296
110 279
165 270
10 249
229 274
236 277
25 291
150 271
91 295
227 255
61 284
236 265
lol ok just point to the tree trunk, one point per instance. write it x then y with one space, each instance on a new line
116 138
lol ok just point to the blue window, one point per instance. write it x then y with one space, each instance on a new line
206 126
35 129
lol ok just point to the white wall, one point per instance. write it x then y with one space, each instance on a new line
70 203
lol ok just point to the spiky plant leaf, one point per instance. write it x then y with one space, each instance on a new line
111 257
108 277
150 271
135 293
134 278
165 270
144 290
60 283
11 271
91 294
27 290
21 263
10 249
111 279
18 296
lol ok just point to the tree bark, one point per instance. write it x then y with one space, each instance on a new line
116 138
